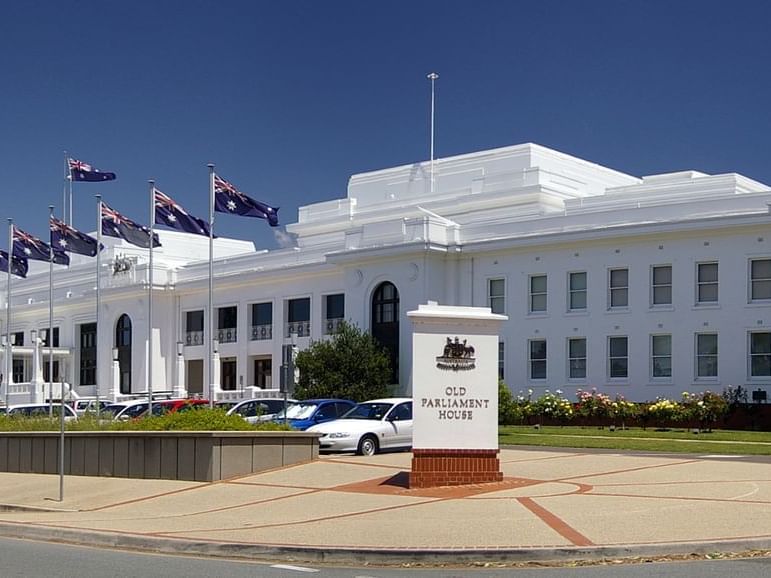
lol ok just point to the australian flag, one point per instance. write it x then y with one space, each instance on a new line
28 247
65 238
116 225
80 171
227 199
173 215
19 266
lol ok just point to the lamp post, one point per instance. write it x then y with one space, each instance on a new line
433 77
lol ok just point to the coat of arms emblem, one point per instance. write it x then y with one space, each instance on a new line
456 356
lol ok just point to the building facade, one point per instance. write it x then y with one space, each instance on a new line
640 286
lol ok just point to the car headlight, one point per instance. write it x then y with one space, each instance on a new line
338 435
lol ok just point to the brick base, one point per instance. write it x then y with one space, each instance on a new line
432 468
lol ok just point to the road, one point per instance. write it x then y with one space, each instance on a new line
22 558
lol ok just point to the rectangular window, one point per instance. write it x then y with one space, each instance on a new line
537 293
17 369
661 356
298 314
501 360
619 287
262 321
334 312
194 328
661 281
44 336
577 358
228 369
760 354
88 354
227 324
496 295
46 371
17 339
706 355
618 357
537 359
263 372
760 279
706 282
577 288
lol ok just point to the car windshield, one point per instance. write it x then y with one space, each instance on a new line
368 411
135 410
113 409
299 411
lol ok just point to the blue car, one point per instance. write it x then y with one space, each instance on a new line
308 412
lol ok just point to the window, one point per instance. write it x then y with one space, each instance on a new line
706 282
760 354
334 312
661 281
385 323
760 279
577 358
661 356
194 328
619 287
228 370
537 293
618 357
262 321
577 289
501 360
496 295
263 371
123 344
706 355
537 359
17 370
44 337
299 317
17 339
88 354
227 324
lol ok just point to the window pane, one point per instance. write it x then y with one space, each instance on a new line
577 368
761 269
538 370
761 343
619 298
618 367
619 278
497 287
578 300
707 272
262 313
706 345
761 289
538 303
662 275
300 309
538 349
577 348
708 293
538 284
662 367
662 345
618 346
335 306
577 281
496 304
761 365
706 366
662 295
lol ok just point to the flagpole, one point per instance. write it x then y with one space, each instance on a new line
211 285
432 77
69 186
9 351
64 188
98 289
51 313
150 304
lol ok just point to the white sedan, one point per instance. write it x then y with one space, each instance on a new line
369 427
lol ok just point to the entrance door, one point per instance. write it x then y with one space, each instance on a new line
385 323
194 376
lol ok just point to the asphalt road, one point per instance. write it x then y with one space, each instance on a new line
22 558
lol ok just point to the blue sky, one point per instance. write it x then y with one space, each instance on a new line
290 98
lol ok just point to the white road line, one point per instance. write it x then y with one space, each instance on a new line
727 456
295 568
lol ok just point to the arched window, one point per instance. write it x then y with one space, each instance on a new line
385 323
123 344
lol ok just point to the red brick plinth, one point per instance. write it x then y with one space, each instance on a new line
433 468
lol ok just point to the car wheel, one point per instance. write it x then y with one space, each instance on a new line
367 446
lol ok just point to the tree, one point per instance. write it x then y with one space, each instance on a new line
350 365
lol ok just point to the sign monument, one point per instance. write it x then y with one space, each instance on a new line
455 396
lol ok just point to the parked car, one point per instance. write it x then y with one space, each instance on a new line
83 405
42 410
174 405
260 409
309 412
369 427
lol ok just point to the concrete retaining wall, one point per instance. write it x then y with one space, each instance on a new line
168 455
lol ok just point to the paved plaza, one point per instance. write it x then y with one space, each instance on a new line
550 505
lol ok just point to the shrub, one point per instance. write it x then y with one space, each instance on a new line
664 411
509 411
622 410
704 408
593 405
554 406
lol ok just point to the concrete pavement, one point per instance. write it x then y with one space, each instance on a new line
550 505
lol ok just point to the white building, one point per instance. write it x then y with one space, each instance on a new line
640 286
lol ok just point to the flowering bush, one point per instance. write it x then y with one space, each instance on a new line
623 410
664 411
704 408
554 406
593 405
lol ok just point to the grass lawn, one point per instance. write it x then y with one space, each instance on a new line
674 440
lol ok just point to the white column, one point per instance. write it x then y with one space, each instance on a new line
215 388
115 384
180 389
37 370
